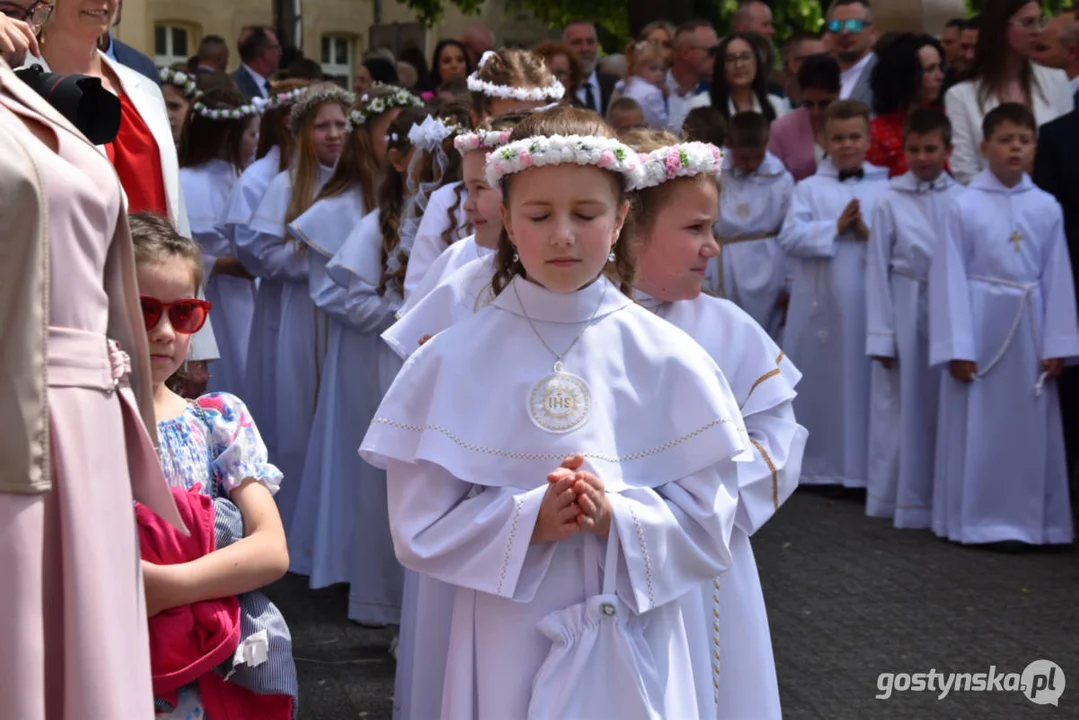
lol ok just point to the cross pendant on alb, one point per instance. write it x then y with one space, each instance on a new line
1015 238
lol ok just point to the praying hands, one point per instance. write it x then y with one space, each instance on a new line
575 501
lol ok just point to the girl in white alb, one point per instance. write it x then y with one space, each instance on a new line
674 211
560 431
318 122
324 536
216 144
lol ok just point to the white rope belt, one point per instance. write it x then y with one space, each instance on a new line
1025 290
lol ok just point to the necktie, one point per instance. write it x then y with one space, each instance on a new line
848 174
1075 99
590 97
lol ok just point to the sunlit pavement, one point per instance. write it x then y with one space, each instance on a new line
849 598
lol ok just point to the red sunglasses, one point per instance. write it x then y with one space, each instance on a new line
186 316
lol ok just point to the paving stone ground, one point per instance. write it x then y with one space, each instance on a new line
849 597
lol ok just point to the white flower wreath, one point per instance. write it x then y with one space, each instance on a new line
179 80
313 98
481 140
678 161
279 100
605 153
239 113
374 106
554 91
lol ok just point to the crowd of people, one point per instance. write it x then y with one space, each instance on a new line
522 346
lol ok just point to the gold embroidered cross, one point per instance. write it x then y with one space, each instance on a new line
1015 238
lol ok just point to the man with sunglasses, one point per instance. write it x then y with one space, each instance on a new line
852 36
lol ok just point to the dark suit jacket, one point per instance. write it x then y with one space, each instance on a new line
132 58
1056 170
606 88
246 83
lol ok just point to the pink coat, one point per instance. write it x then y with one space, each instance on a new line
791 140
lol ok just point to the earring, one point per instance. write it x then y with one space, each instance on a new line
516 257
611 258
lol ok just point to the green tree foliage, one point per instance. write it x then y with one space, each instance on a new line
612 20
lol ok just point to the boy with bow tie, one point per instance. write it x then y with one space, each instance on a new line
825 235
1003 321
757 189
906 226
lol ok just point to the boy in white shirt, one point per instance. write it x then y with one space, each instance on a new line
825 236
1003 319
906 227
757 189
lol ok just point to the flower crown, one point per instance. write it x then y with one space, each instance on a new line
431 133
374 106
279 100
554 91
180 80
481 140
312 99
605 153
238 113
678 161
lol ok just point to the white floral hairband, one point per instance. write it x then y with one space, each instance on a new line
200 109
678 161
181 81
374 106
431 133
539 151
554 91
481 140
312 99
279 100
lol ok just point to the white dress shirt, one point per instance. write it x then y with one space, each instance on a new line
849 77
582 95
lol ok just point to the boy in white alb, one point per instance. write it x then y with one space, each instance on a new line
825 235
1003 319
756 195
906 228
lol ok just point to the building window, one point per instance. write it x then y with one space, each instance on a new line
337 59
172 44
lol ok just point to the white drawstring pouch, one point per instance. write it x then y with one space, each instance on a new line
600 665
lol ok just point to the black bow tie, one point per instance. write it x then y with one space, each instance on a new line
845 175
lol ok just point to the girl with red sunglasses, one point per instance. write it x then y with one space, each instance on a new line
208 446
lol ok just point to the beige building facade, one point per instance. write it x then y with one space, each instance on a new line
337 32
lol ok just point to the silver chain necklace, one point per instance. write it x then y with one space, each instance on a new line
560 402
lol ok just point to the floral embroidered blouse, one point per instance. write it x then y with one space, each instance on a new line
215 442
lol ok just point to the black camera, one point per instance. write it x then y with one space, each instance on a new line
80 98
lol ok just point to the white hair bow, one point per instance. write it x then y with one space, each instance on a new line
429 134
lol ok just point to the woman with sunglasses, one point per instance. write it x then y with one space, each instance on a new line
1003 72
77 403
209 446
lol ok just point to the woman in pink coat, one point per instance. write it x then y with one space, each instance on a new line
74 451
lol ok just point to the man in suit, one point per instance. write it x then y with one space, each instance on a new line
852 35
595 90
1058 47
260 56
1056 170
125 54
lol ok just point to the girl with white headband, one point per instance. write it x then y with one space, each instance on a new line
427 605
674 210
216 145
318 122
558 432
506 81
324 537
275 151
368 266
